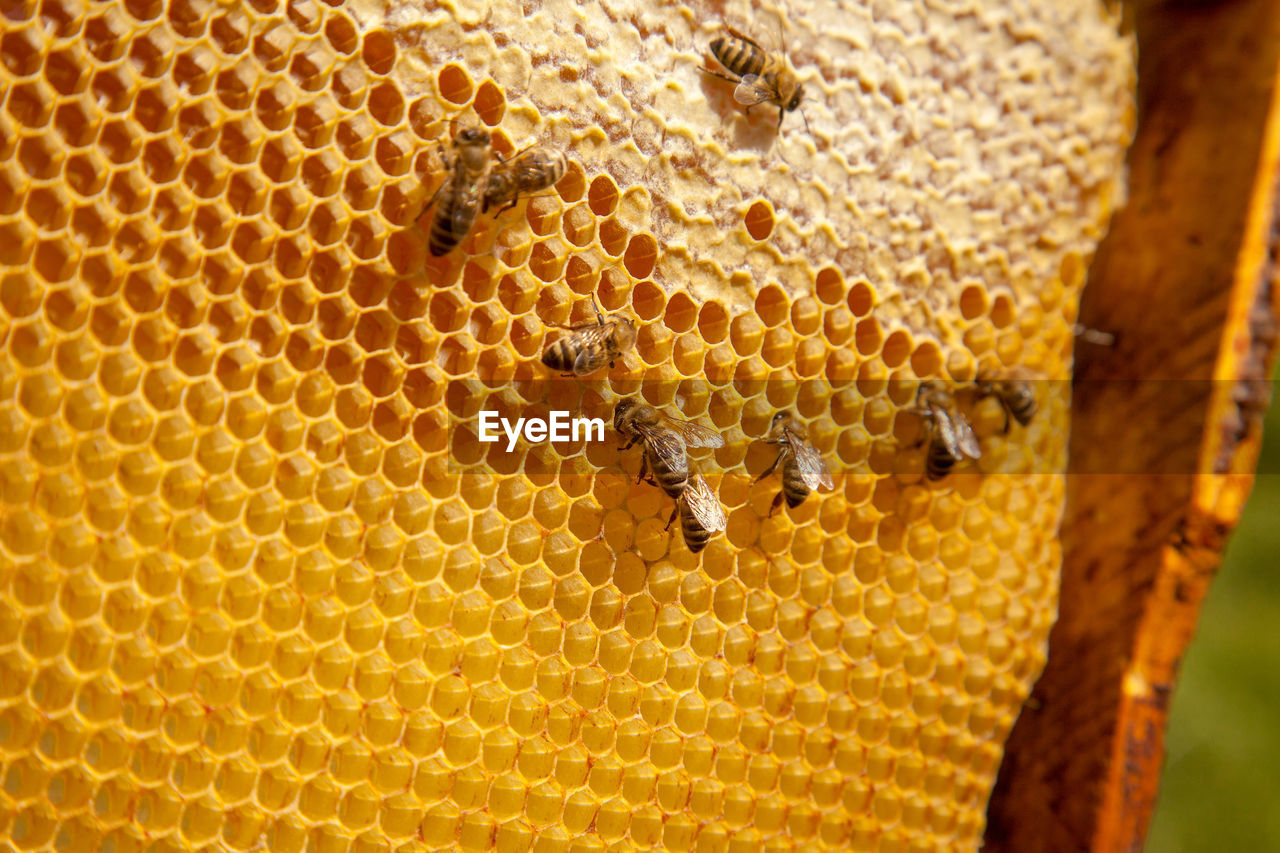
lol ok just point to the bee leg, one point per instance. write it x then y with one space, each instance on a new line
718 74
769 470
644 467
777 502
430 202
1006 421
630 444
675 510
924 415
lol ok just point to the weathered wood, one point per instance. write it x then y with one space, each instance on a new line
1186 279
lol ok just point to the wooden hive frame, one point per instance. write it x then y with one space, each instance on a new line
1197 242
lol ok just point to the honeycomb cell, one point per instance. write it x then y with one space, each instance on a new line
379 51
386 104
641 256
21 49
341 34
861 299
349 85
1002 311
759 220
973 301
896 349
454 84
40 158
31 104
829 286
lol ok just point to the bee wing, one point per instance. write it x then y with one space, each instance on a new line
498 186
534 171
466 203
704 506
812 467
589 361
753 90
946 433
694 435
962 440
665 445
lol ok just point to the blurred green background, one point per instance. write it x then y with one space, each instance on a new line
1220 790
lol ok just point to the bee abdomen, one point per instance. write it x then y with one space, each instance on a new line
671 478
738 56
444 236
696 536
559 165
1023 409
793 486
939 462
553 166
559 356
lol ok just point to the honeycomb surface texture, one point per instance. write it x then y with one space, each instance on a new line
261 588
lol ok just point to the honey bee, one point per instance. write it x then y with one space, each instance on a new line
591 346
701 514
457 201
949 434
665 440
530 171
803 471
1015 393
760 77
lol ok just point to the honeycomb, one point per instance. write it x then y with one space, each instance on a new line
261 587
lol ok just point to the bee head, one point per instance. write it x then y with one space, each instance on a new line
778 426
473 136
620 411
625 335
796 97
932 393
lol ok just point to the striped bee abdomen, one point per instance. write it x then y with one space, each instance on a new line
451 222
738 56
1021 403
793 484
672 475
696 536
939 461
560 356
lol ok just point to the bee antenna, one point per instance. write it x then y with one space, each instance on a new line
806 122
